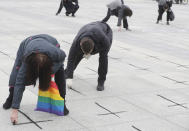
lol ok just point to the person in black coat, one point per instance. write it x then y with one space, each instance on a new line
71 7
118 9
164 5
95 37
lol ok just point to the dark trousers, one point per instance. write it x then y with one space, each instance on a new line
60 81
115 13
161 11
69 6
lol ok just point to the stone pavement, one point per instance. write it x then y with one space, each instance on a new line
147 86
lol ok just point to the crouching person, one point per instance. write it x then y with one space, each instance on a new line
71 7
164 5
93 38
38 56
118 9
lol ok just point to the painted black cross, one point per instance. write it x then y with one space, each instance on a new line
31 121
179 65
139 68
136 128
110 112
177 82
176 104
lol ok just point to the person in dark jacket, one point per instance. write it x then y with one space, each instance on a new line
164 5
118 9
71 7
95 37
38 56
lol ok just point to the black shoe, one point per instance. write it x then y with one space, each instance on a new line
168 23
57 13
67 14
8 102
66 111
157 22
73 15
100 87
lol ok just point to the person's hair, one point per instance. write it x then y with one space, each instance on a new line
87 45
39 66
128 12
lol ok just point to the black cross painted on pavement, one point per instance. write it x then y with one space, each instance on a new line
31 121
114 58
176 104
136 128
177 82
124 48
92 70
76 91
155 57
139 68
110 112
180 65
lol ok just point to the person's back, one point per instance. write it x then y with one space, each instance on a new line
114 4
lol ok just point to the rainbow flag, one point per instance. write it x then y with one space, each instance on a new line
50 100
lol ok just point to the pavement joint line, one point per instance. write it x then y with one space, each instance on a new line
177 82
107 110
114 58
177 105
76 91
124 48
7 55
155 57
32 122
180 65
4 72
181 105
114 112
136 128
92 70
66 42
139 68
30 119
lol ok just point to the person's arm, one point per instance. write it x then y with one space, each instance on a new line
18 93
120 16
107 16
19 87
60 7
122 2
71 61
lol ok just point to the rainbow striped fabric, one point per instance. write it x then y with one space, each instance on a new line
50 100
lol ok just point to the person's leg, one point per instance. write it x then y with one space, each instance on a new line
160 11
76 7
61 83
107 16
60 7
168 16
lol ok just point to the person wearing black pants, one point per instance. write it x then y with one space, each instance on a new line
93 38
69 6
164 5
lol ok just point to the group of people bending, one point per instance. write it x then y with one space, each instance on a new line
40 56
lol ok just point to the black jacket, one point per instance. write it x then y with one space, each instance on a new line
101 34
